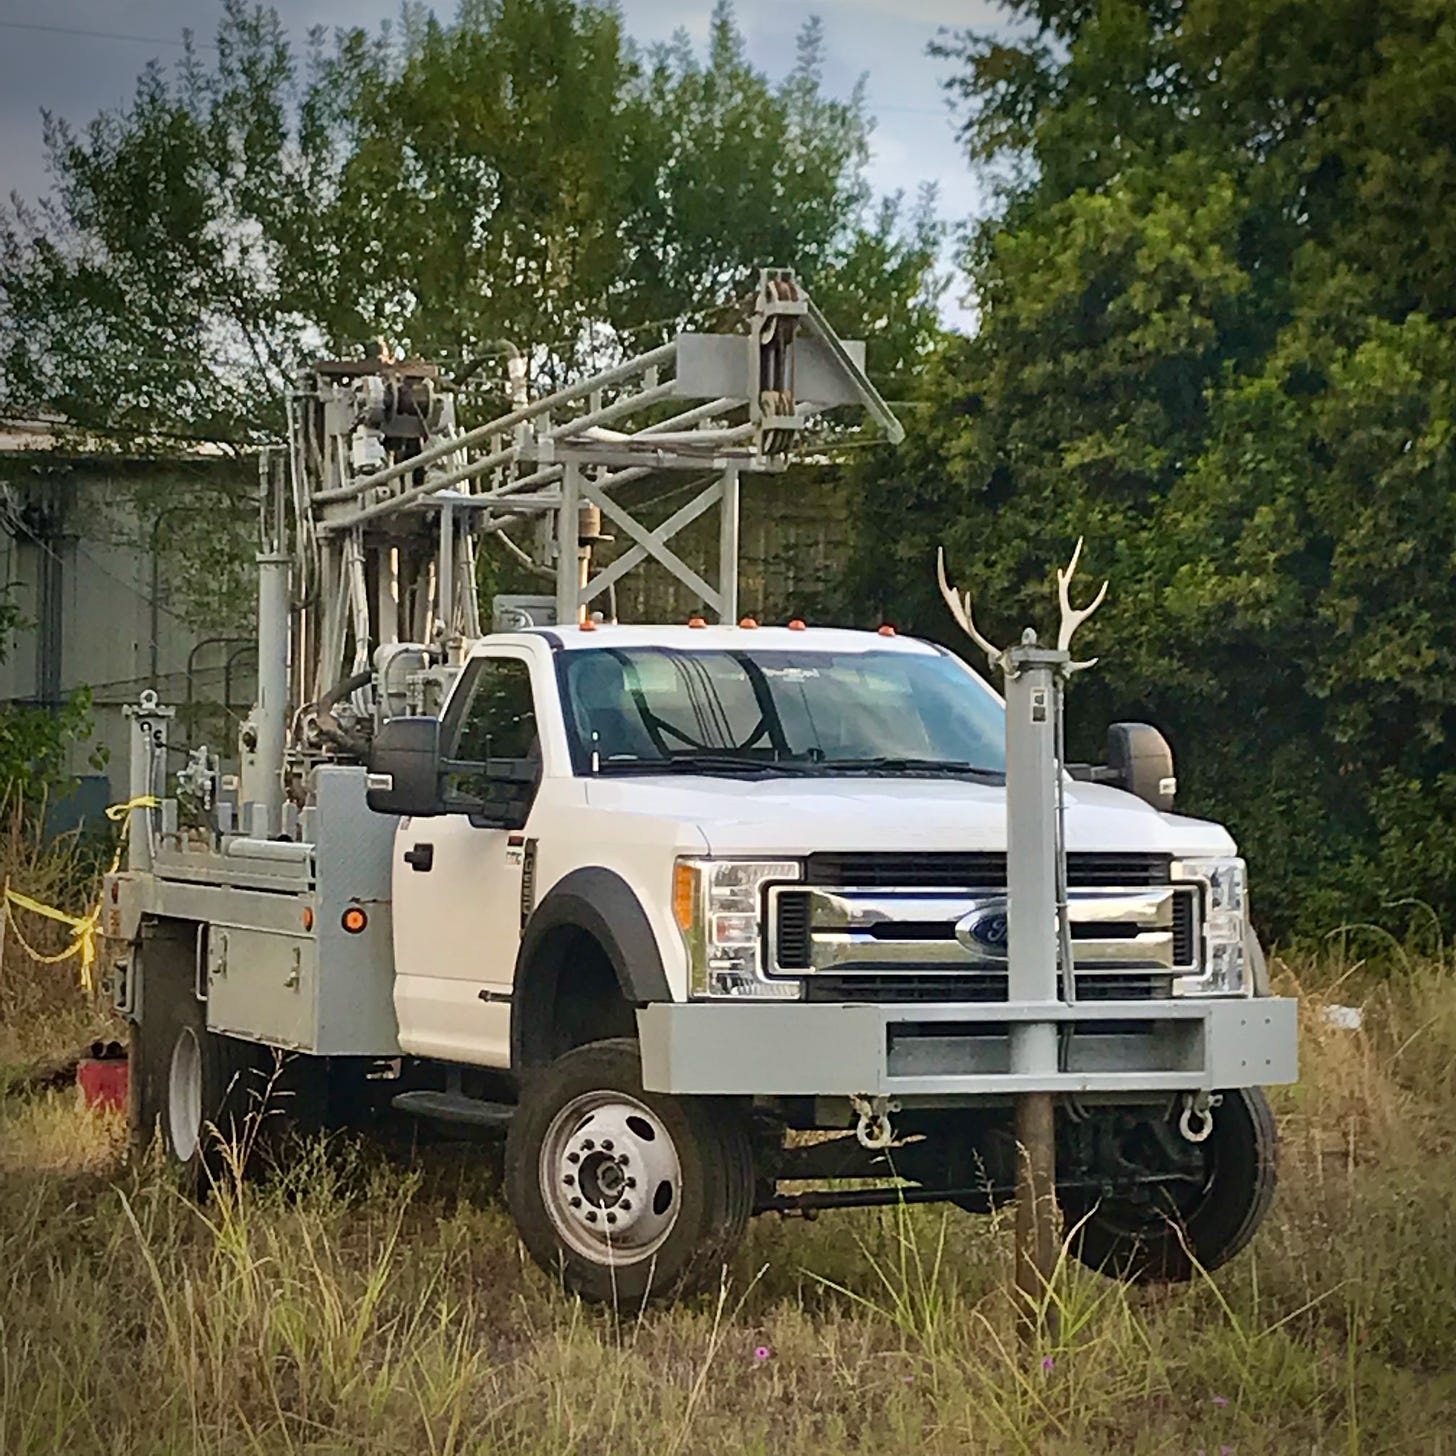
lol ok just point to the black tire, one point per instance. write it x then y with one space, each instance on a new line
1201 1229
172 1047
709 1206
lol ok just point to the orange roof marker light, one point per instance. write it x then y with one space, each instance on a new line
696 622
354 920
886 630
587 625
308 917
748 624
797 624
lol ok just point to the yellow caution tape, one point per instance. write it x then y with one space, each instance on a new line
84 927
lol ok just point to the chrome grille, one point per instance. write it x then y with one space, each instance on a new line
1137 937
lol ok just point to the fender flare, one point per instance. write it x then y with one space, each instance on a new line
601 904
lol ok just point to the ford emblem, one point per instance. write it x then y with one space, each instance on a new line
984 933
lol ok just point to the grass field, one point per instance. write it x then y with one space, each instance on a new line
373 1303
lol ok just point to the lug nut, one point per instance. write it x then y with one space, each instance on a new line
625 1206
576 1203
591 1216
573 1157
630 1183
622 1159
587 1145
568 1180
606 1145
611 1218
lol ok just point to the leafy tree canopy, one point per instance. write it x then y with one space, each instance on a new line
522 173
1218 337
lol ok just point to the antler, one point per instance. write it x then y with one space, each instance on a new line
1071 618
961 609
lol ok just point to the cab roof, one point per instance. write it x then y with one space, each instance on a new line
730 638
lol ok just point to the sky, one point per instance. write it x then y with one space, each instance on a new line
44 63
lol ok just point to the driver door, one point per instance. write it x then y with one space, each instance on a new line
457 876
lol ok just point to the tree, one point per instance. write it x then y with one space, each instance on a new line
523 173
1217 337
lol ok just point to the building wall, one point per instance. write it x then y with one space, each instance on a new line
103 595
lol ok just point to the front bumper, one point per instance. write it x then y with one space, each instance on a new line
804 1049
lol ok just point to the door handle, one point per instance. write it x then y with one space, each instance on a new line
421 858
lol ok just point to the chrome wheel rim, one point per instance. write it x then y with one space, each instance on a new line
184 1095
611 1179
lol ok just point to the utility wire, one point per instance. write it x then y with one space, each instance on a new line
101 34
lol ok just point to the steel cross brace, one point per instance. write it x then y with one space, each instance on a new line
652 542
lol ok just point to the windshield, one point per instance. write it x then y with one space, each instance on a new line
648 709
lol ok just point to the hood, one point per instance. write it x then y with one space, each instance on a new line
793 817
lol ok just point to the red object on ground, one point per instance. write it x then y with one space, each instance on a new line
103 1082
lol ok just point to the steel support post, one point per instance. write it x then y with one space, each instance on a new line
148 749
1033 682
445 572
568 533
728 546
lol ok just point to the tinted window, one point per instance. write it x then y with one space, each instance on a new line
497 721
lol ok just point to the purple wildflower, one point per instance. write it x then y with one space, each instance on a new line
1047 1363
1220 1401
761 1353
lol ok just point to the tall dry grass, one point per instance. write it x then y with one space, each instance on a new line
43 1016
368 1301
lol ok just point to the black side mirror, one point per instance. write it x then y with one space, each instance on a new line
404 768
1142 763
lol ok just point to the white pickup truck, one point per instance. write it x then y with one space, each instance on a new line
658 900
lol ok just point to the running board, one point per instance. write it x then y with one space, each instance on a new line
455 1107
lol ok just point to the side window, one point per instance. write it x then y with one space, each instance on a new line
497 722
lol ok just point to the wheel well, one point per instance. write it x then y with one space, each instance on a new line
165 952
568 996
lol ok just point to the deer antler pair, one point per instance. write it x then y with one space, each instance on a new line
1072 618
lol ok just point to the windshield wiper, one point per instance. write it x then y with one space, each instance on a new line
950 768
705 763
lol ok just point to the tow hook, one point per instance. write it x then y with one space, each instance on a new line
1195 1122
873 1129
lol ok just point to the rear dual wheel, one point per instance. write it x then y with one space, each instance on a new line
199 1093
625 1195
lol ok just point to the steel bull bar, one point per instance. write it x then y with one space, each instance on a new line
964 1050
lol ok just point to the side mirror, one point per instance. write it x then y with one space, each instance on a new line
1142 763
404 768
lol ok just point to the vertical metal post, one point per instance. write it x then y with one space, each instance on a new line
138 836
262 767
1033 686
568 530
728 546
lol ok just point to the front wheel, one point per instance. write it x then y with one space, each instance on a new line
626 1195
1167 1238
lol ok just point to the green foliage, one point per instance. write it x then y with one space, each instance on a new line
34 742
1216 337
522 173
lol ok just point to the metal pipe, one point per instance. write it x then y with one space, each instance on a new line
262 769
626 406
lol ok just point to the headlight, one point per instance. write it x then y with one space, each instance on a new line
718 906
1225 901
